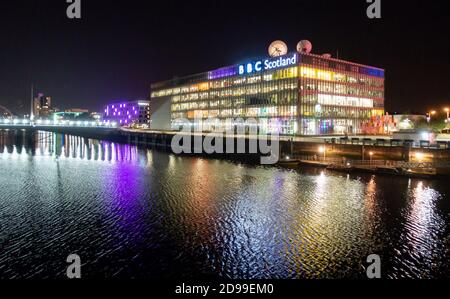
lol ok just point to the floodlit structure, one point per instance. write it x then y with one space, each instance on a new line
127 113
294 94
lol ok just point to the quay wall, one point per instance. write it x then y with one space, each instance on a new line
163 140
297 148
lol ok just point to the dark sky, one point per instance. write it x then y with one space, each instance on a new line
120 46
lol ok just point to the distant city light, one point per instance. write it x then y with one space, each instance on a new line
420 156
425 136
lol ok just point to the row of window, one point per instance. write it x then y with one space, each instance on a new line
270 111
326 75
285 126
342 66
305 72
255 89
280 98
312 86
277 125
334 100
318 111
313 126
277 75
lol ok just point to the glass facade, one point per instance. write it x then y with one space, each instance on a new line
302 95
338 97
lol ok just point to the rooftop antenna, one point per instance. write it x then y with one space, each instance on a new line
32 103
278 48
304 46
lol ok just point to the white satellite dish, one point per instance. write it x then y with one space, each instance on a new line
278 48
304 46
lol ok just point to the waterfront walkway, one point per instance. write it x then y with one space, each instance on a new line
369 140
409 169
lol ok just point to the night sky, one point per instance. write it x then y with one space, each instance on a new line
119 47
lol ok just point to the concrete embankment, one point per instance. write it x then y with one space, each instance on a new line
310 147
303 148
364 152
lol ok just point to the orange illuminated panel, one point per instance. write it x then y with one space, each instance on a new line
377 112
201 113
203 86
198 113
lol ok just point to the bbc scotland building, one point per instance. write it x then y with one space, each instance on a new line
295 94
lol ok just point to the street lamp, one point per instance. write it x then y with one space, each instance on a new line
323 151
420 156
371 157
430 114
448 114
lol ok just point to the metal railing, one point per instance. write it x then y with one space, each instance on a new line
373 163
5 122
388 143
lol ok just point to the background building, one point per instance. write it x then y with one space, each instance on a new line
42 106
408 121
128 113
77 110
96 116
296 94
5 112
73 114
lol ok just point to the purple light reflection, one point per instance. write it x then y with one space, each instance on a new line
127 193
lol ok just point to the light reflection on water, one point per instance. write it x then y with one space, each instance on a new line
139 213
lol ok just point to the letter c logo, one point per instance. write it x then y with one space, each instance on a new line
258 66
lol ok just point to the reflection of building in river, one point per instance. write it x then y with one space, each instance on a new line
60 146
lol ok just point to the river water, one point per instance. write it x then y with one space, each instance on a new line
139 213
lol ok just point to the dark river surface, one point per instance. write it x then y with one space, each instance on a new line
139 213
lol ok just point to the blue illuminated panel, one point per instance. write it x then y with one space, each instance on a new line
222 73
373 72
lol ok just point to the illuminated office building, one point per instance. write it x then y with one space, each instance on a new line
127 113
295 94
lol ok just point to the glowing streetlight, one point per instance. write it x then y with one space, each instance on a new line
371 157
448 114
323 150
430 114
420 156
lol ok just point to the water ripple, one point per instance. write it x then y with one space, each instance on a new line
132 213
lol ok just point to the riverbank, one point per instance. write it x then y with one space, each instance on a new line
319 151
394 168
